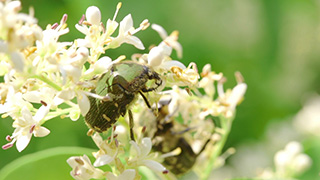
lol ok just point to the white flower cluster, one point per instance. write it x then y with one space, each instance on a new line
41 73
110 153
289 162
307 121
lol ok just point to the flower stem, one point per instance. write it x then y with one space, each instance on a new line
226 126
48 81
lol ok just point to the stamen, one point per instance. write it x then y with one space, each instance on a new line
7 146
175 152
64 19
82 19
174 35
86 23
143 130
4 115
43 103
8 138
103 27
76 171
117 10
107 41
54 26
79 161
220 87
90 132
32 128
120 58
239 77
116 142
145 24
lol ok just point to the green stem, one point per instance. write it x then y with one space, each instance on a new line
48 81
226 125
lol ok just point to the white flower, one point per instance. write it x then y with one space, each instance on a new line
125 35
99 67
128 174
141 157
291 161
14 103
230 99
307 119
107 151
18 31
48 47
160 53
170 40
82 168
26 126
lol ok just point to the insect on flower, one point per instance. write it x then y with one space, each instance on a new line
122 84
166 140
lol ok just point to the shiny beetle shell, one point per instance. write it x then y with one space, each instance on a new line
122 83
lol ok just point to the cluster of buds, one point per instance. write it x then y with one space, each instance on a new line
41 73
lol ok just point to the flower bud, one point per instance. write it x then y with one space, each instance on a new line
93 15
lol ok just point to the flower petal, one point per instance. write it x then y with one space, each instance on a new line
41 113
168 64
41 132
162 32
84 103
128 174
23 141
135 148
154 165
146 146
134 41
103 160
156 56
126 24
27 116
17 60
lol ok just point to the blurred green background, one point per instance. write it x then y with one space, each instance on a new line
274 44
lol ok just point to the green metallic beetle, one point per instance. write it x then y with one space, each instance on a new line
122 84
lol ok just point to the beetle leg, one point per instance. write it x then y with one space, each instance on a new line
131 124
145 100
204 146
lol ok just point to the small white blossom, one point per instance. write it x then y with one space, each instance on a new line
307 121
14 103
107 151
125 35
170 41
82 169
141 156
26 126
291 161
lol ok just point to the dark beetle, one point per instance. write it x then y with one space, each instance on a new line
122 83
166 140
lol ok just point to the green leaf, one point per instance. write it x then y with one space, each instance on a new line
47 164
